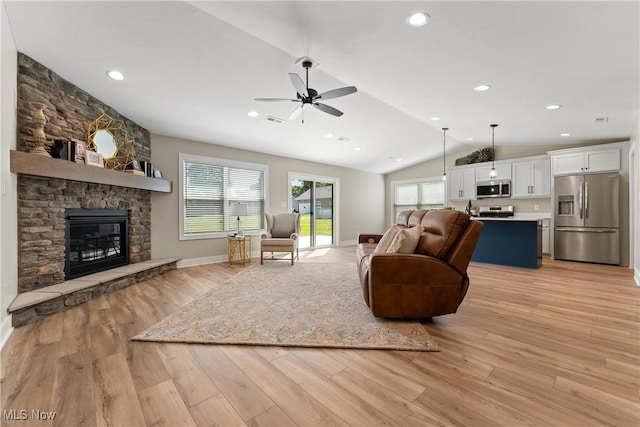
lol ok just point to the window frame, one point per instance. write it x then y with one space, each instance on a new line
418 182
219 162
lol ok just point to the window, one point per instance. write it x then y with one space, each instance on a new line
426 193
209 186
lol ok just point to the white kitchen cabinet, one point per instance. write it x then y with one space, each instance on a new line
503 171
603 160
531 178
461 184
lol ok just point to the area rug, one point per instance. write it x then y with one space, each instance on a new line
304 305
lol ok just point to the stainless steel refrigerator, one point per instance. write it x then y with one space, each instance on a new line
587 218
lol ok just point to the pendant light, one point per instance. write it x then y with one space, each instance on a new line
493 172
444 153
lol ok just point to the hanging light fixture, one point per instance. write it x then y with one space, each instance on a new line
493 172
444 153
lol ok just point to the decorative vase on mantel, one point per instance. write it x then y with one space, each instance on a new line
39 138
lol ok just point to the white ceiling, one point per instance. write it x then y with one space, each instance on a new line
192 70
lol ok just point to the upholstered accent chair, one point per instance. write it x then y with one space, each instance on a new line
283 233
418 269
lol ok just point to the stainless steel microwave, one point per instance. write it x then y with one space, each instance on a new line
490 189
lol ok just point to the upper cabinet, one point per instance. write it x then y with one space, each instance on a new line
531 178
587 160
503 171
461 183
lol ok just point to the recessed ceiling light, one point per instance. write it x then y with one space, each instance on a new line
115 75
329 135
253 113
469 139
553 106
356 149
435 118
417 19
398 160
482 88
565 134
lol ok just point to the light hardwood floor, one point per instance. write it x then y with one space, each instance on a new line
557 346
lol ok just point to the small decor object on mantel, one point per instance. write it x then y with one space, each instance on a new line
94 159
79 149
134 168
39 138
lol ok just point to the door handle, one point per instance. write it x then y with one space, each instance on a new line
586 230
586 200
580 200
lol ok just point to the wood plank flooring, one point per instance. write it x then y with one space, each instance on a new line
559 346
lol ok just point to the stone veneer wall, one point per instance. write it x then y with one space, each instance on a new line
41 206
42 201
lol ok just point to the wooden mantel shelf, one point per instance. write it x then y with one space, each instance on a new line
37 165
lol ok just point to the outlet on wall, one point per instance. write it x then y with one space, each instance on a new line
536 207
283 204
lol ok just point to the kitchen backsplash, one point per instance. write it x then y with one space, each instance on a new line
520 205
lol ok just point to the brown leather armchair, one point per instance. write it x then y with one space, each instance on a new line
433 280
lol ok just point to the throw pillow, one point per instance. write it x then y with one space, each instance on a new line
405 241
386 239
281 233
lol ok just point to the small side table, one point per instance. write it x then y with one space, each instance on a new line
239 250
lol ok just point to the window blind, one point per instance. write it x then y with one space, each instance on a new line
427 194
210 187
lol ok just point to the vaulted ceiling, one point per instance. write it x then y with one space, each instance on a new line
193 69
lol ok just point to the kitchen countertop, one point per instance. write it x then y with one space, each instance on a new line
523 216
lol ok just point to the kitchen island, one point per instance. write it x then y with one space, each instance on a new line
512 241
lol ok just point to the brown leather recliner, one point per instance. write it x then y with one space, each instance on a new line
433 280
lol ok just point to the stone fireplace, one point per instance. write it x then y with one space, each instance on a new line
74 220
43 204
43 201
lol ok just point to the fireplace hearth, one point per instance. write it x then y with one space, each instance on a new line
96 240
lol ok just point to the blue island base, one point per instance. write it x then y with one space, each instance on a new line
516 243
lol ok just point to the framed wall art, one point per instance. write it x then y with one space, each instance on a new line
94 159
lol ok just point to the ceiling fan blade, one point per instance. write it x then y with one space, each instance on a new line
277 99
337 92
296 112
297 82
327 109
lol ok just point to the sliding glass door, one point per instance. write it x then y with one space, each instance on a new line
314 200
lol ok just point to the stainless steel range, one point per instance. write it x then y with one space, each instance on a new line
496 211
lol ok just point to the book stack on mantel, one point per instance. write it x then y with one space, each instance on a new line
135 172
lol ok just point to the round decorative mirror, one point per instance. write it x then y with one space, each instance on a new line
110 138
105 144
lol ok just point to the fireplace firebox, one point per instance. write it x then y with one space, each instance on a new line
96 240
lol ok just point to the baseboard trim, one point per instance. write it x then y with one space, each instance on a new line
348 243
636 276
5 331
194 262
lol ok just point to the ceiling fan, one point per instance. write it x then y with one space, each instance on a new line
306 95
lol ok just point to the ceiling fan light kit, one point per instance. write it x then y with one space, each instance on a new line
306 95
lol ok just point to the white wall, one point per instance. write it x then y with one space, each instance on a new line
361 204
8 181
